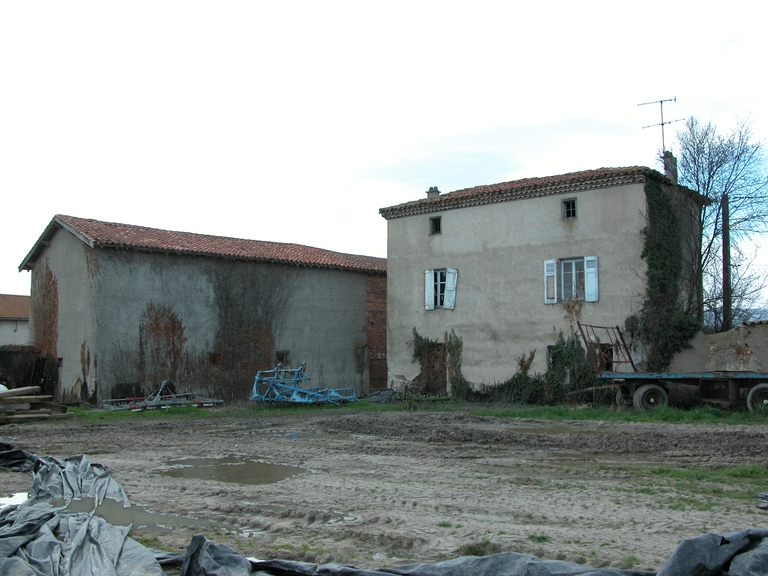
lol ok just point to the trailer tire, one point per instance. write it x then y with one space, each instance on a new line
757 399
649 397
620 401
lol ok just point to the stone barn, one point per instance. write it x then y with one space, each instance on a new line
121 308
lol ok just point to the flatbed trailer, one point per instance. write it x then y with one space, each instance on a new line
649 390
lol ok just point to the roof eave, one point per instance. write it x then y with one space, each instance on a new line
231 257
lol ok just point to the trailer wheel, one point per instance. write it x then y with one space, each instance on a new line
620 400
649 397
757 399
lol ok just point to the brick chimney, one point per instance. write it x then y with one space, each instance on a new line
433 192
670 166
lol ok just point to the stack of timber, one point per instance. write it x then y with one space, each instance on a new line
21 404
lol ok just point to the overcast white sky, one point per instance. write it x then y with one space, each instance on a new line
297 121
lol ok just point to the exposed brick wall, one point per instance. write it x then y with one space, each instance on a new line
376 328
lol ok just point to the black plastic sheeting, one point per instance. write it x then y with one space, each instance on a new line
38 539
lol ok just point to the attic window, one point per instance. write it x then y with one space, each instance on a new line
435 225
569 209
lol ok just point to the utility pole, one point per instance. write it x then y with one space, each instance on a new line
727 298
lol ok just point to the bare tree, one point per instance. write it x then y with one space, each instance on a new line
729 170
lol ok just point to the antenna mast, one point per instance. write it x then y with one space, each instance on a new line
662 123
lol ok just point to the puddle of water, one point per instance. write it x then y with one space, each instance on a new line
116 514
234 469
17 498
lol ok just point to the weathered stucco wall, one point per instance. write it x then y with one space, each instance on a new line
499 251
744 348
121 322
14 332
62 322
325 327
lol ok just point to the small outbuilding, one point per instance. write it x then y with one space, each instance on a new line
14 320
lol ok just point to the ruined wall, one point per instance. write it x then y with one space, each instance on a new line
745 348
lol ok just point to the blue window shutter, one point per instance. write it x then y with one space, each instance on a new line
550 281
451 277
429 290
590 278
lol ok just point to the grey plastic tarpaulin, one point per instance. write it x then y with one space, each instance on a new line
39 539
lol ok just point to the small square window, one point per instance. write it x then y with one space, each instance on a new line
569 209
435 225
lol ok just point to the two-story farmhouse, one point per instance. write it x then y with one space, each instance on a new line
510 266
121 308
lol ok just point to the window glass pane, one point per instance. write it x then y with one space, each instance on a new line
578 279
567 276
572 278
439 288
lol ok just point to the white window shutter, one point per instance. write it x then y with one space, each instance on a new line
550 281
590 278
451 276
429 290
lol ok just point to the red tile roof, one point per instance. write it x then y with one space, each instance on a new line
525 188
12 306
97 234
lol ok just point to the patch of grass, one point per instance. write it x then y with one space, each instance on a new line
244 409
445 524
482 548
147 541
627 563
536 537
725 475
699 414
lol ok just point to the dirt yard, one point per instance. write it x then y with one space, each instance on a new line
383 489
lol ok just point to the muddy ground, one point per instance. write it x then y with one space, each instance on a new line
382 489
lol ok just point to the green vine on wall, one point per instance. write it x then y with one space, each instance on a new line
662 327
570 369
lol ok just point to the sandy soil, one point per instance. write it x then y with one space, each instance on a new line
400 487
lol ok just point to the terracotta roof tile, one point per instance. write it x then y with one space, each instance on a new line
12 306
521 189
112 235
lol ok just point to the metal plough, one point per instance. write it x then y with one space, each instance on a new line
163 397
283 385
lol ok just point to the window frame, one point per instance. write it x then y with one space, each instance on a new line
568 210
439 290
435 225
553 279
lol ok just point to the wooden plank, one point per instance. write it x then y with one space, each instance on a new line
15 407
593 389
24 417
16 399
52 406
25 391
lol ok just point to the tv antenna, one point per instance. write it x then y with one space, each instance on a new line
662 123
